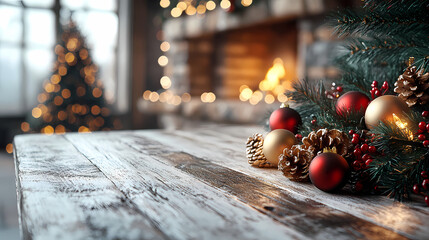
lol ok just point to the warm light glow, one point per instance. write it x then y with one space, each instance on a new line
186 97
62 70
48 130
225 4
165 46
55 79
274 74
269 98
9 148
245 94
165 82
164 3
58 100
36 112
154 96
210 5
176 12
163 97
246 3
59 49
182 6
282 98
403 126
72 44
105 111
146 94
176 100
83 54
97 92
49 87
83 129
70 58
41 98
95 110
60 129
25 126
242 87
80 91
208 97
163 61
66 93
201 9
191 10
62 115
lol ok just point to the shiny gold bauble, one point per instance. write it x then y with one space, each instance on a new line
275 142
383 108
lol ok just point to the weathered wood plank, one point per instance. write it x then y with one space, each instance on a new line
181 206
310 218
221 145
61 195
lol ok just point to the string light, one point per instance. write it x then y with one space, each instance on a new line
58 100
182 6
163 61
201 9
9 148
210 5
164 3
48 130
66 93
55 79
83 129
95 110
60 129
165 82
176 12
154 96
146 95
225 4
25 126
246 3
97 92
186 97
80 91
36 112
191 10
165 46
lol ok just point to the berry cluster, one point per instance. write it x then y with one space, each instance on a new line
377 92
363 154
335 91
423 130
424 185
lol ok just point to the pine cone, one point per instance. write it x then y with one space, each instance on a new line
295 161
413 86
325 138
254 152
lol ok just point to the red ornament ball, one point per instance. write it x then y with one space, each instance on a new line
425 184
427 200
352 102
329 172
416 189
285 118
422 126
425 114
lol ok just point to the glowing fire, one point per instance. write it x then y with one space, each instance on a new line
403 126
272 87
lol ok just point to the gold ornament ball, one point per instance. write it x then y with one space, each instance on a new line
383 108
275 142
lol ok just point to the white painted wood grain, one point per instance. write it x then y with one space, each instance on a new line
61 195
225 145
181 206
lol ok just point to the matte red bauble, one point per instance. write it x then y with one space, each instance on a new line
352 102
285 118
329 172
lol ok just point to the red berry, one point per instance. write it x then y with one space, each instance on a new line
366 157
364 148
313 121
422 125
339 89
416 189
357 152
372 149
298 136
355 135
369 161
378 93
427 200
422 137
425 113
374 84
385 85
351 132
424 174
425 184
356 165
420 131
427 127
358 187
355 140
426 143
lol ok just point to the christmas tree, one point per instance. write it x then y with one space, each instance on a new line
384 107
73 99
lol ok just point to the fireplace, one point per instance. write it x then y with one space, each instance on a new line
236 67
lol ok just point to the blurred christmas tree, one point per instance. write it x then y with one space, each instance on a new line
73 99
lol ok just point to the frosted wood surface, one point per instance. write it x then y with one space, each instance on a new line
189 184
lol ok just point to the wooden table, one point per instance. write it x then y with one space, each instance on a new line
189 184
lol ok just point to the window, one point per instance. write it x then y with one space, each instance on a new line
29 32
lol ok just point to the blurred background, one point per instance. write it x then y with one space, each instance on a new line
93 65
